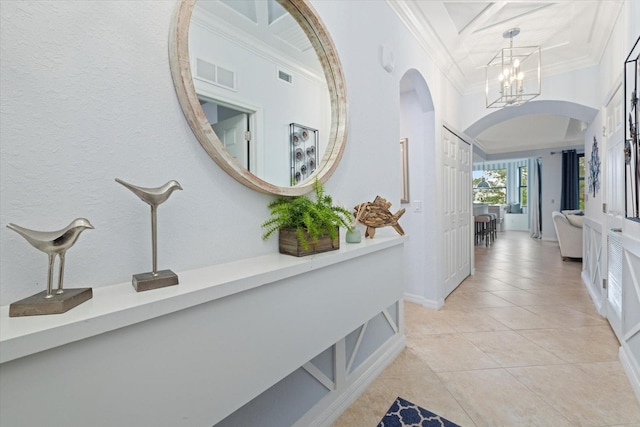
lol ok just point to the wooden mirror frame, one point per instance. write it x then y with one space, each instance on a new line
313 27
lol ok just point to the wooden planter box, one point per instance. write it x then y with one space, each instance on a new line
290 245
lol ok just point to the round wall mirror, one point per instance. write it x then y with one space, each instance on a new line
261 85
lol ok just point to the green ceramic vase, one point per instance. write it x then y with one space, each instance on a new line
353 236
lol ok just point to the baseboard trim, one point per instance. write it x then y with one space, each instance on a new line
631 368
416 299
428 303
332 406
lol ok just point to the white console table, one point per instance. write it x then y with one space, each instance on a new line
194 353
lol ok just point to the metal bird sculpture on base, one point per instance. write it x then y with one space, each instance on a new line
53 243
153 197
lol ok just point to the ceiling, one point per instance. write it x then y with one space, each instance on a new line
263 25
464 36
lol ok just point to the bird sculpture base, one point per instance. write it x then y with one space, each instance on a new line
37 304
147 281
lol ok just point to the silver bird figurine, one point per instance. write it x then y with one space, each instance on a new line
54 243
153 197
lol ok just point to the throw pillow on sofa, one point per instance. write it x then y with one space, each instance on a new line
575 220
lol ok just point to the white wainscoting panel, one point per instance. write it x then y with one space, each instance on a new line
614 282
593 263
630 350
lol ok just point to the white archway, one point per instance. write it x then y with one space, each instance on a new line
551 164
562 108
417 124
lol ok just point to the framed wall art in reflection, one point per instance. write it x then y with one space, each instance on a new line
404 164
304 152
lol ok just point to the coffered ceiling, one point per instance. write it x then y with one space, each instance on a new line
463 36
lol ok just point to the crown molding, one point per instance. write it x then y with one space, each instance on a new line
413 19
480 145
412 16
501 149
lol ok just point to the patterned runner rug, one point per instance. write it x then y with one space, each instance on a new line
404 413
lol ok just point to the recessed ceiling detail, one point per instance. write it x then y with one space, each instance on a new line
244 8
463 36
275 11
463 14
513 11
266 21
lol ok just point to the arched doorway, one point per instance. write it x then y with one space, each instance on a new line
546 146
561 108
417 125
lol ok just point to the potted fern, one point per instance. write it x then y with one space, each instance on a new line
306 226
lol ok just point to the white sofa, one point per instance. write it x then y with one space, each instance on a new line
569 234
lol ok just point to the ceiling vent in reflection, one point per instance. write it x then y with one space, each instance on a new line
215 74
285 76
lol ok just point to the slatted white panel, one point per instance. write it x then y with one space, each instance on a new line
614 250
631 289
592 262
630 350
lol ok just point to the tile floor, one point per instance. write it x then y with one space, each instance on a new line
517 344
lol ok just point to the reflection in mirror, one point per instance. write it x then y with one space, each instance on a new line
225 89
233 127
256 74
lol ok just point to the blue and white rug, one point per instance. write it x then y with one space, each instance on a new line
406 414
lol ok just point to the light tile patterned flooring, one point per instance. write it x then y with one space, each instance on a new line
518 344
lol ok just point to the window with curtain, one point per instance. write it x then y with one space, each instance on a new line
490 186
569 194
581 174
522 184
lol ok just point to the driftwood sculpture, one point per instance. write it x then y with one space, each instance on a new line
376 214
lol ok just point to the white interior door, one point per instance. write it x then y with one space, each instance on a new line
232 133
614 197
456 210
463 211
449 152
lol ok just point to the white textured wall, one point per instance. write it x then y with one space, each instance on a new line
87 96
412 127
417 123
551 191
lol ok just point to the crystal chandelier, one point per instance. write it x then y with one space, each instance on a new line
513 75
